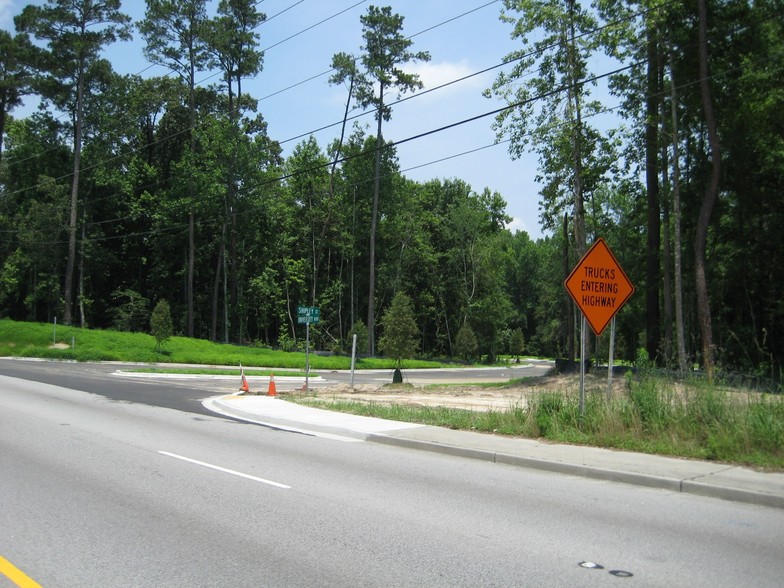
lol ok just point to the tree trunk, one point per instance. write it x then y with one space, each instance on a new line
216 289
226 324
709 199
569 310
580 238
82 316
191 195
666 221
676 211
2 127
233 262
69 266
653 272
373 223
191 265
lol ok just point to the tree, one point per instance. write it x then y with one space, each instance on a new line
385 49
466 344
14 76
232 43
399 340
308 186
161 326
345 67
637 37
174 33
548 110
75 32
517 344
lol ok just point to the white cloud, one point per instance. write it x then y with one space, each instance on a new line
519 224
434 75
6 15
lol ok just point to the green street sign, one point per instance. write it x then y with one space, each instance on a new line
308 314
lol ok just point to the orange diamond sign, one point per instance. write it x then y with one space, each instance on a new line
599 286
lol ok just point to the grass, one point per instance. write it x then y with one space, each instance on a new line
23 339
220 372
655 415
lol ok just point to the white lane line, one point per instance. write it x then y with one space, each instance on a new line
225 470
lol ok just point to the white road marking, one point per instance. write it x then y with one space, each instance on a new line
225 470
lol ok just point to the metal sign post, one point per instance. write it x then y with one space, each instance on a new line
307 355
353 359
307 315
610 360
582 365
599 287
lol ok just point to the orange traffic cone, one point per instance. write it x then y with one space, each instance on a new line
271 391
244 387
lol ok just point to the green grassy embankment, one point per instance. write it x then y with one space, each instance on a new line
692 419
22 339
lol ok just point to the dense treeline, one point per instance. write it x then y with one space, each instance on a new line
160 189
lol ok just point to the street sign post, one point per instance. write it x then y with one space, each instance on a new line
599 287
305 316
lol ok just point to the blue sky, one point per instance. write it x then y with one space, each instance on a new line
459 47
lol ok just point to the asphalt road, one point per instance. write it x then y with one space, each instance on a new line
105 492
186 394
102 379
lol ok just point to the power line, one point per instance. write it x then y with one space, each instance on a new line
284 177
163 139
412 138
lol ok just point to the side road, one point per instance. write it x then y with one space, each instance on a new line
680 475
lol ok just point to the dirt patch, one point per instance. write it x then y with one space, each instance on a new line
470 397
59 346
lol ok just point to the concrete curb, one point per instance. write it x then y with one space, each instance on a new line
534 463
697 478
686 486
215 405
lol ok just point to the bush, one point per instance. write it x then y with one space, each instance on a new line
465 343
131 311
287 343
161 326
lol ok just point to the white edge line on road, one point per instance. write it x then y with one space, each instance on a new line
225 470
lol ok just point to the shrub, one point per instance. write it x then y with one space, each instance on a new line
465 343
131 311
161 326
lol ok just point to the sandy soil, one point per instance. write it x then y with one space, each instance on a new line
470 397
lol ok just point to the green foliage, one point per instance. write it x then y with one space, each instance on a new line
360 330
288 343
517 343
185 181
466 345
652 419
161 326
400 338
386 48
131 311
548 408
